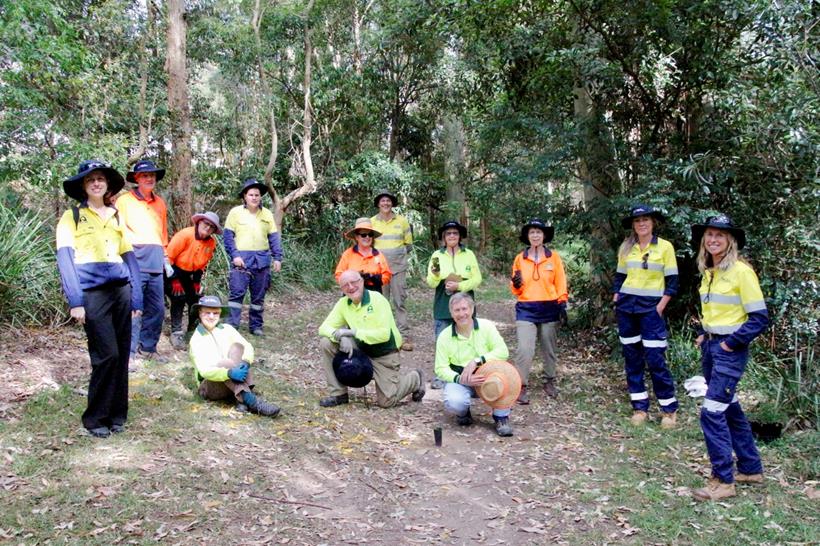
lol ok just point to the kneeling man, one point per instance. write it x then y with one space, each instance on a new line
363 319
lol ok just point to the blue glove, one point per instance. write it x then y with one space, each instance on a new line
239 373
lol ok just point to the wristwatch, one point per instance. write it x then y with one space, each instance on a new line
479 360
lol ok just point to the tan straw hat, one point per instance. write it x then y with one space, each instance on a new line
501 386
362 224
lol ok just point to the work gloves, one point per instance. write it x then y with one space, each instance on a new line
239 373
176 288
517 280
345 337
372 280
342 332
198 288
435 266
562 315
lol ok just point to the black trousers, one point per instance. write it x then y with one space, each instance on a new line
108 328
189 298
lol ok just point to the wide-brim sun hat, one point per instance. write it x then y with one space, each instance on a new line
353 371
212 302
210 217
251 183
385 193
73 187
638 210
720 221
462 231
144 166
362 224
549 231
502 384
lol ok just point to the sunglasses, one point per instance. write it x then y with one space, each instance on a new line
365 235
645 263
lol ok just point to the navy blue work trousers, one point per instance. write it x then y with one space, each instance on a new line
240 280
145 330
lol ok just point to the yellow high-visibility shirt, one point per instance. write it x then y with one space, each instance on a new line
396 232
251 230
729 297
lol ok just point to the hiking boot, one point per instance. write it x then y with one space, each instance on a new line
241 408
465 420
99 432
117 429
436 383
549 387
669 420
134 364
418 394
330 401
407 345
257 332
751 479
178 341
261 407
503 426
714 490
152 355
523 396
638 418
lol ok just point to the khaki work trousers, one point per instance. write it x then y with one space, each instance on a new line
529 334
396 290
391 385
225 390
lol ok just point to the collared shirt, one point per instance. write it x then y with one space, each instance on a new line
463 264
207 349
396 232
454 351
733 304
94 252
644 276
375 264
253 237
188 253
544 286
146 226
372 318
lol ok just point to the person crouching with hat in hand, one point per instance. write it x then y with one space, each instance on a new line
101 281
363 319
539 283
222 359
734 313
189 252
644 283
145 217
364 258
461 349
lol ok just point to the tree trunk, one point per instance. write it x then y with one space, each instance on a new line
144 125
256 23
180 115
455 167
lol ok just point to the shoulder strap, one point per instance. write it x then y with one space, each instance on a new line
75 211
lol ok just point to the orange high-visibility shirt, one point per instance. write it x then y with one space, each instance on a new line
189 253
375 264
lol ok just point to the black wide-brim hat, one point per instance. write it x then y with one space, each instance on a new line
549 231
145 166
721 221
73 187
385 193
251 183
210 301
354 371
641 210
462 231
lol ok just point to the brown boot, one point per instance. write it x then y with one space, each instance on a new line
752 479
523 396
638 418
406 345
714 490
669 420
549 387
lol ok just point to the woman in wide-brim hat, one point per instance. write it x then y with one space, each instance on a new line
540 285
252 240
733 314
644 283
190 251
364 257
100 278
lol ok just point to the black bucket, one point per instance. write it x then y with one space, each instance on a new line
766 432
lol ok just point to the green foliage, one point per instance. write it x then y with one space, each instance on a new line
29 283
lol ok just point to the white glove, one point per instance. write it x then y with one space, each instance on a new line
342 332
169 269
696 386
346 345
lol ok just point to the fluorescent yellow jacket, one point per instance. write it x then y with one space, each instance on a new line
372 318
454 351
645 276
207 349
396 232
464 264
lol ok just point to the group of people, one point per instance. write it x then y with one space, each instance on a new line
113 260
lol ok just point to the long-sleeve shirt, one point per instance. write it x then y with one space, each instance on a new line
94 252
146 226
188 253
396 240
454 351
733 305
372 318
375 264
544 286
207 349
464 264
645 276
252 237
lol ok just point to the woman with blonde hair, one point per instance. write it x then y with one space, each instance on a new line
734 313
646 279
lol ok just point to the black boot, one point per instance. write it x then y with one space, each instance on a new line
330 401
